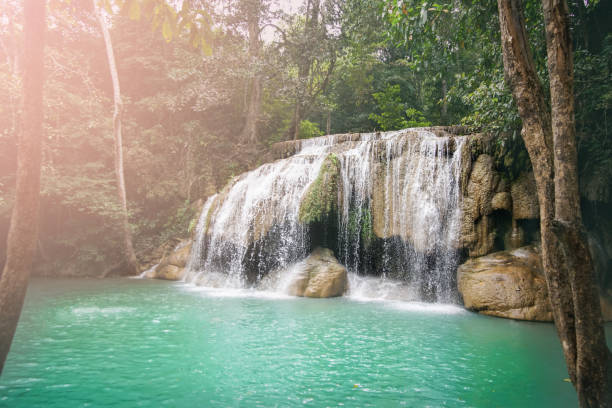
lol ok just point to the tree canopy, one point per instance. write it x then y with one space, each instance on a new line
187 86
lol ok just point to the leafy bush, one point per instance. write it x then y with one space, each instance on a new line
309 129
394 113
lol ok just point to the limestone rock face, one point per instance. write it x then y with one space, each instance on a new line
477 232
172 265
502 201
319 276
506 284
525 198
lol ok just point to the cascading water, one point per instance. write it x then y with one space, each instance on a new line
398 216
252 227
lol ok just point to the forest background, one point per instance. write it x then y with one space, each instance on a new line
195 116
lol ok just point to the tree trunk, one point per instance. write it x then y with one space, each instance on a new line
444 110
131 262
23 232
249 133
328 123
591 350
295 122
565 256
313 8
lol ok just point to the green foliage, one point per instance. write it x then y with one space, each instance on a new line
415 118
593 76
182 221
391 108
364 64
394 114
309 130
491 105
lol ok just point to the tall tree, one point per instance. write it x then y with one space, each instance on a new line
315 58
253 12
549 136
23 233
128 247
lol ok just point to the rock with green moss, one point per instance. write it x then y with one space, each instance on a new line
321 198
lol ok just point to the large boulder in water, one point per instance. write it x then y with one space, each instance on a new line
507 284
511 284
319 276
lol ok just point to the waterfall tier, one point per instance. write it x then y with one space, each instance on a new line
387 204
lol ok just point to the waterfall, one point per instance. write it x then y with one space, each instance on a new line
397 216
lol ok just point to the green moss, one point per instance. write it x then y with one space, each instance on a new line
360 225
321 198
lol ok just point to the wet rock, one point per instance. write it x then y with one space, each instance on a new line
172 265
507 284
402 205
321 198
319 276
180 256
153 257
168 272
525 198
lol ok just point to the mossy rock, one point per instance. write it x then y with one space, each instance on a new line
321 198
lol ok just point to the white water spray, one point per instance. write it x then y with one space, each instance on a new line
398 216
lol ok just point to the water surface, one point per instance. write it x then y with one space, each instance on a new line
126 343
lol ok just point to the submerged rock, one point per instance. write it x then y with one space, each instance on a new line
507 284
319 276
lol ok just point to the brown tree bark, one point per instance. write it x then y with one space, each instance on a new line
591 380
249 133
313 9
23 232
131 262
294 129
550 141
